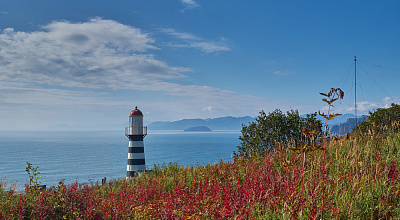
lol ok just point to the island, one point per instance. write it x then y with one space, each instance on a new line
198 128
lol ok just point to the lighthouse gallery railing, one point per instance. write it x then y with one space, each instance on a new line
135 130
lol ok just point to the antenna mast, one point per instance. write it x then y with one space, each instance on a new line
355 88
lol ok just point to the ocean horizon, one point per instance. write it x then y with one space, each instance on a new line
88 156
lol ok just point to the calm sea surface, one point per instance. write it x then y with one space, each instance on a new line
89 156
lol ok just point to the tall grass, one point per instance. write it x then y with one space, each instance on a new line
356 177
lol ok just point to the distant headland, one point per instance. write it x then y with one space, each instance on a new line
223 123
198 128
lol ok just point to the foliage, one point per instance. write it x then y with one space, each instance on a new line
362 182
312 138
381 120
33 175
331 97
262 134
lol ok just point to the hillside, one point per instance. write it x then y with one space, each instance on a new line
337 120
226 123
223 123
346 127
365 186
198 129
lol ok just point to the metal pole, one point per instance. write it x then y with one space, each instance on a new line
355 88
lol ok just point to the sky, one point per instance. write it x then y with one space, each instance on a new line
87 64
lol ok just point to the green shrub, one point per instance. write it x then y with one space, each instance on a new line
33 175
262 134
381 120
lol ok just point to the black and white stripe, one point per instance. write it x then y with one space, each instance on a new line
136 157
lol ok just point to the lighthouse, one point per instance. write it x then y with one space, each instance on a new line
135 132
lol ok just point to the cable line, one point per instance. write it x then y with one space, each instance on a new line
377 83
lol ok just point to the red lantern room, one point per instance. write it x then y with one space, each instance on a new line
136 124
135 112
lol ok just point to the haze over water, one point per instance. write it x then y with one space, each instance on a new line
89 156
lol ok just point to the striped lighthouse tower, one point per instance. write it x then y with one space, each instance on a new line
135 132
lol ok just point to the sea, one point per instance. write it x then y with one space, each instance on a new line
87 157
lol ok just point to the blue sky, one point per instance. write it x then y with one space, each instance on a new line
89 63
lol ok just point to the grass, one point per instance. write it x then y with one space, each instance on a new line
356 177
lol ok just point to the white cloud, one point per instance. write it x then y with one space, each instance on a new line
283 72
24 106
208 108
211 47
78 73
363 107
30 107
387 101
180 35
187 40
190 4
94 54
23 93
67 71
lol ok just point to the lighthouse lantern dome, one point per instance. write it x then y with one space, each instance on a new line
136 112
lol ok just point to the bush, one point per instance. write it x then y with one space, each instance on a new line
381 120
262 134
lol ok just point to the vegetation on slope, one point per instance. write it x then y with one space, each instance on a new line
262 134
382 120
361 181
